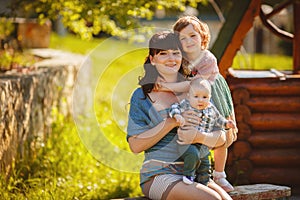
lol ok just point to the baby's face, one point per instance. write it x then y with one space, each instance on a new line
199 97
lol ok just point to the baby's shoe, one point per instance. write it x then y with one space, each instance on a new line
188 180
220 179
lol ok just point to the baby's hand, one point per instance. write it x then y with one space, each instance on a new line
230 124
179 119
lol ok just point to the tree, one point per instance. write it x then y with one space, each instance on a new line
90 17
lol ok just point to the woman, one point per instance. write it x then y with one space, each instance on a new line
151 131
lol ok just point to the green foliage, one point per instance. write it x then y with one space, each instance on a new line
90 17
11 59
64 169
6 28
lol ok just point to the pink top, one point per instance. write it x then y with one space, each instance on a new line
206 67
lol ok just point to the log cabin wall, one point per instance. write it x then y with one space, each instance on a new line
268 117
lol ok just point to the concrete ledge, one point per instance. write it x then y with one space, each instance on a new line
251 192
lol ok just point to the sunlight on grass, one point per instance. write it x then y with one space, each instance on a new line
73 43
262 62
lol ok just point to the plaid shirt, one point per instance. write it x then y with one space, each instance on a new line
210 116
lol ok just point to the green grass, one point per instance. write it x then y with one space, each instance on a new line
262 62
72 43
93 161
64 169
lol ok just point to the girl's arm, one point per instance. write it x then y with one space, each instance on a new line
174 87
143 141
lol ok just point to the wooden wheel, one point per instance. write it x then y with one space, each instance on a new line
265 18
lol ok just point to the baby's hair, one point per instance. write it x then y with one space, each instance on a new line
201 83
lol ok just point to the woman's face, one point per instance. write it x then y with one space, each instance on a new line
167 62
190 39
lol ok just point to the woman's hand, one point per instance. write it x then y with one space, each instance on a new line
187 135
188 132
191 135
191 118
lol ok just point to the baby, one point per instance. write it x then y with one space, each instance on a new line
198 99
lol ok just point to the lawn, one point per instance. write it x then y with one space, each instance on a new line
91 159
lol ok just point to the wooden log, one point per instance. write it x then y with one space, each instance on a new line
274 139
240 171
266 86
245 166
234 176
230 156
241 150
240 96
275 175
244 131
274 104
275 157
242 113
275 121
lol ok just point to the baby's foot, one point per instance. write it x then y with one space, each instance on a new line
188 180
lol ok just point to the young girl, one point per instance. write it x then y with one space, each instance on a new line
198 61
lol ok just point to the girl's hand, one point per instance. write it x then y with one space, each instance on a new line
160 86
230 124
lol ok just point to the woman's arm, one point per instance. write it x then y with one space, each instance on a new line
143 141
191 135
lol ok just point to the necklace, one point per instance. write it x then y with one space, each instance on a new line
193 64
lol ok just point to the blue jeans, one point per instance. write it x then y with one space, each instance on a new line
195 157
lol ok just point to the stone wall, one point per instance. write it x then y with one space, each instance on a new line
27 101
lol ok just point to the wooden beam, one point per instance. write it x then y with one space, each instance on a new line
238 23
296 42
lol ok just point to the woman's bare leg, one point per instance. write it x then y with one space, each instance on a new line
192 192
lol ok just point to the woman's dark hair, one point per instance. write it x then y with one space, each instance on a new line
159 42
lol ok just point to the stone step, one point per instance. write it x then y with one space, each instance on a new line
260 191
